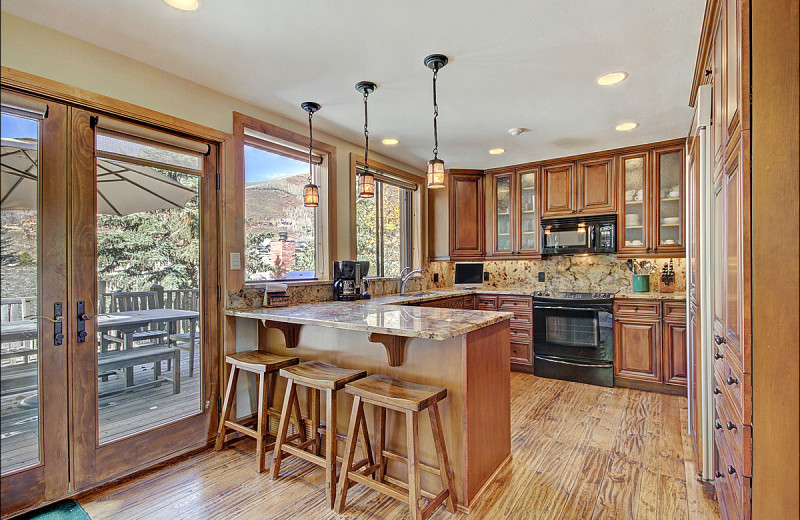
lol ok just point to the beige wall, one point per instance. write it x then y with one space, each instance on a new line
35 49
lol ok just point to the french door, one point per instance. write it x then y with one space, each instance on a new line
123 220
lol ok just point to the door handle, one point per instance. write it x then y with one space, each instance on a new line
57 320
82 319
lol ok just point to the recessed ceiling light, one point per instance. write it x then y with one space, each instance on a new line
626 126
497 151
390 142
612 78
184 5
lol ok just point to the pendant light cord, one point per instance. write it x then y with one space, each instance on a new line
310 148
366 133
435 115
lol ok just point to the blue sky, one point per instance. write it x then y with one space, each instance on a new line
12 126
261 166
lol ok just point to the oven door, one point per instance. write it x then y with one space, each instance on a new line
566 330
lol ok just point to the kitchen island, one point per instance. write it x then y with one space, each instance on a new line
465 351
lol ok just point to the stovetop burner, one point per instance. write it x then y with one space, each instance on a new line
570 295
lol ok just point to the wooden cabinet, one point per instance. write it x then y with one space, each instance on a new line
456 217
521 325
650 342
589 189
513 224
651 216
457 302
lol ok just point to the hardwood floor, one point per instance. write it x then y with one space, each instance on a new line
579 452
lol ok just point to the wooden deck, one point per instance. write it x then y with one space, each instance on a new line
120 414
579 452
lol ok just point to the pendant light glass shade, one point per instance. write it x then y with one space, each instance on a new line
366 180
310 190
366 185
310 195
435 173
435 165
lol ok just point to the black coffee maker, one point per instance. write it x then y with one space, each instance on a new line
349 283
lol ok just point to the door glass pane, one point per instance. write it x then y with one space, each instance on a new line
669 218
503 196
528 210
19 255
634 201
148 344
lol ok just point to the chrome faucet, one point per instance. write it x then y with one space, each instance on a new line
405 277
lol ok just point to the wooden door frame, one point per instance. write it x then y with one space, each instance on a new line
50 478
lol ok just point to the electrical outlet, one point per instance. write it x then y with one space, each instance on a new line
486 276
435 277
541 276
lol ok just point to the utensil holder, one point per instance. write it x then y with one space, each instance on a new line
666 287
641 283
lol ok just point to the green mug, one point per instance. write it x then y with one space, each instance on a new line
641 283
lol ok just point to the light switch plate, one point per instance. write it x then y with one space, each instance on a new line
236 261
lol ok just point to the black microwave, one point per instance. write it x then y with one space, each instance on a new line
579 235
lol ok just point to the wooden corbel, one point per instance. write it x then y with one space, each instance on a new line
395 346
291 331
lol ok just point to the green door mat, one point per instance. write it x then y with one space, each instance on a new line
61 510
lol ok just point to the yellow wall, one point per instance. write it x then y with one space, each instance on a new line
38 50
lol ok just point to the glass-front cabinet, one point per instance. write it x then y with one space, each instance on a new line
514 222
651 191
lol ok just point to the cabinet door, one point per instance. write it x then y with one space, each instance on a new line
558 187
719 120
732 263
521 353
466 222
597 192
528 242
502 222
733 82
637 350
633 224
668 198
718 262
674 347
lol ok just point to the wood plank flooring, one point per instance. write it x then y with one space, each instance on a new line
579 452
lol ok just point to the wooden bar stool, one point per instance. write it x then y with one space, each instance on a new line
317 377
265 365
409 398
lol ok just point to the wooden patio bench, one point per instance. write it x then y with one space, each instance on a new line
20 378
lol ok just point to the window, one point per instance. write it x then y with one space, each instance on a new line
282 237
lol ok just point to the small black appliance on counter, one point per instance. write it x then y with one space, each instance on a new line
349 280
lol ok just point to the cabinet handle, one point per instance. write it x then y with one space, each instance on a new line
730 425
718 474
719 340
718 356
717 391
732 381
731 470
717 425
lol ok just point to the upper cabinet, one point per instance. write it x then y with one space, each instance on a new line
651 216
513 224
456 217
588 188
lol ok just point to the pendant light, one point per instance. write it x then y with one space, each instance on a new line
435 165
366 180
310 190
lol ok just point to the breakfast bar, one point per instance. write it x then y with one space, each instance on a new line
464 351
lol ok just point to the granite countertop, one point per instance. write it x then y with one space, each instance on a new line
651 295
383 317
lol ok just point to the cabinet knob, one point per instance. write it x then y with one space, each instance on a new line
730 425
717 391
718 474
732 381
731 470
717 425
636 307
708 72
719 340
717 355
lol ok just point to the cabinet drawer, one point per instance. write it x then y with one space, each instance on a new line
520 331
735 381
674 311
521 317
469 302
485 303
647 309
725 482
521 353
737 435
514 303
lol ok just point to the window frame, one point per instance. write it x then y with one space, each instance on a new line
416 213
325 218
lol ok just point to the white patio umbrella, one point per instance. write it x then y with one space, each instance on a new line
122 188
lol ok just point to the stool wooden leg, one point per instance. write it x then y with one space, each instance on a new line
314 405
441 453
262 419
283 426
365 444
226 408
349 452
380 440
412 430
297 417
330 446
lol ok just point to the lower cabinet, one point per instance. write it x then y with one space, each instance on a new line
650 343
521 325
448 303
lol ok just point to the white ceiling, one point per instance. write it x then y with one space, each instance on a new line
513 63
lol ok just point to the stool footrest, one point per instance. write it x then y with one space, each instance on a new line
297 451
241 429
399 458
402 485
435 502
378 486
